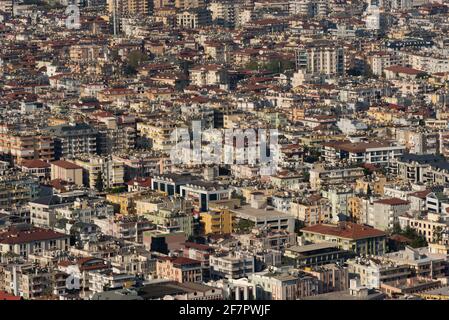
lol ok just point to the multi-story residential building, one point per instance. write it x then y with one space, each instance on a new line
43 210
421 262
16 190
73 139
224 13
348 236
372 272
126 201
199 252
331 277
111 172
283 285
311 210
23 242
19 146
419 142
179 269
115 134
383 214
309 8
266 217
130 7
189 4
159 133
362 152
85 210
421 168
38 168
380 60
430 227
321 57
338 198
67 171
193 18
231 265
173 219
321 175
219 221
30 282
208 75
130 227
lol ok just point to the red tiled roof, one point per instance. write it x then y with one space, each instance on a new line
198 246
392 201
66 164
35 164
420 194
346 230
405 70
13 236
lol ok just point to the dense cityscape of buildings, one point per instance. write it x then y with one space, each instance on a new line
224 150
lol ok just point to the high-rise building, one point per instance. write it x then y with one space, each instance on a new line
321 57
189 4
309 8
73 139
18 146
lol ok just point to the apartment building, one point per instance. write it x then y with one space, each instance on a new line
421 168
321 58
326 175
193 18
130 7
111 172
73 139
372 272
231 265
179 269
224 13
173 219
208 75
379 153
16 190
331 277
25 241
311 210
43 210
309 8
21 146
348 236
421 262
217 221
67 171
159 133
383 214
283 285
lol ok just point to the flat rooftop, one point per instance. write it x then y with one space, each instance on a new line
247 212
311 247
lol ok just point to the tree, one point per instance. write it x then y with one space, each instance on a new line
244 225
438 234
396 228
136 58
99 182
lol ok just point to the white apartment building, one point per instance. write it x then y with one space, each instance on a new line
321 57
112 171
